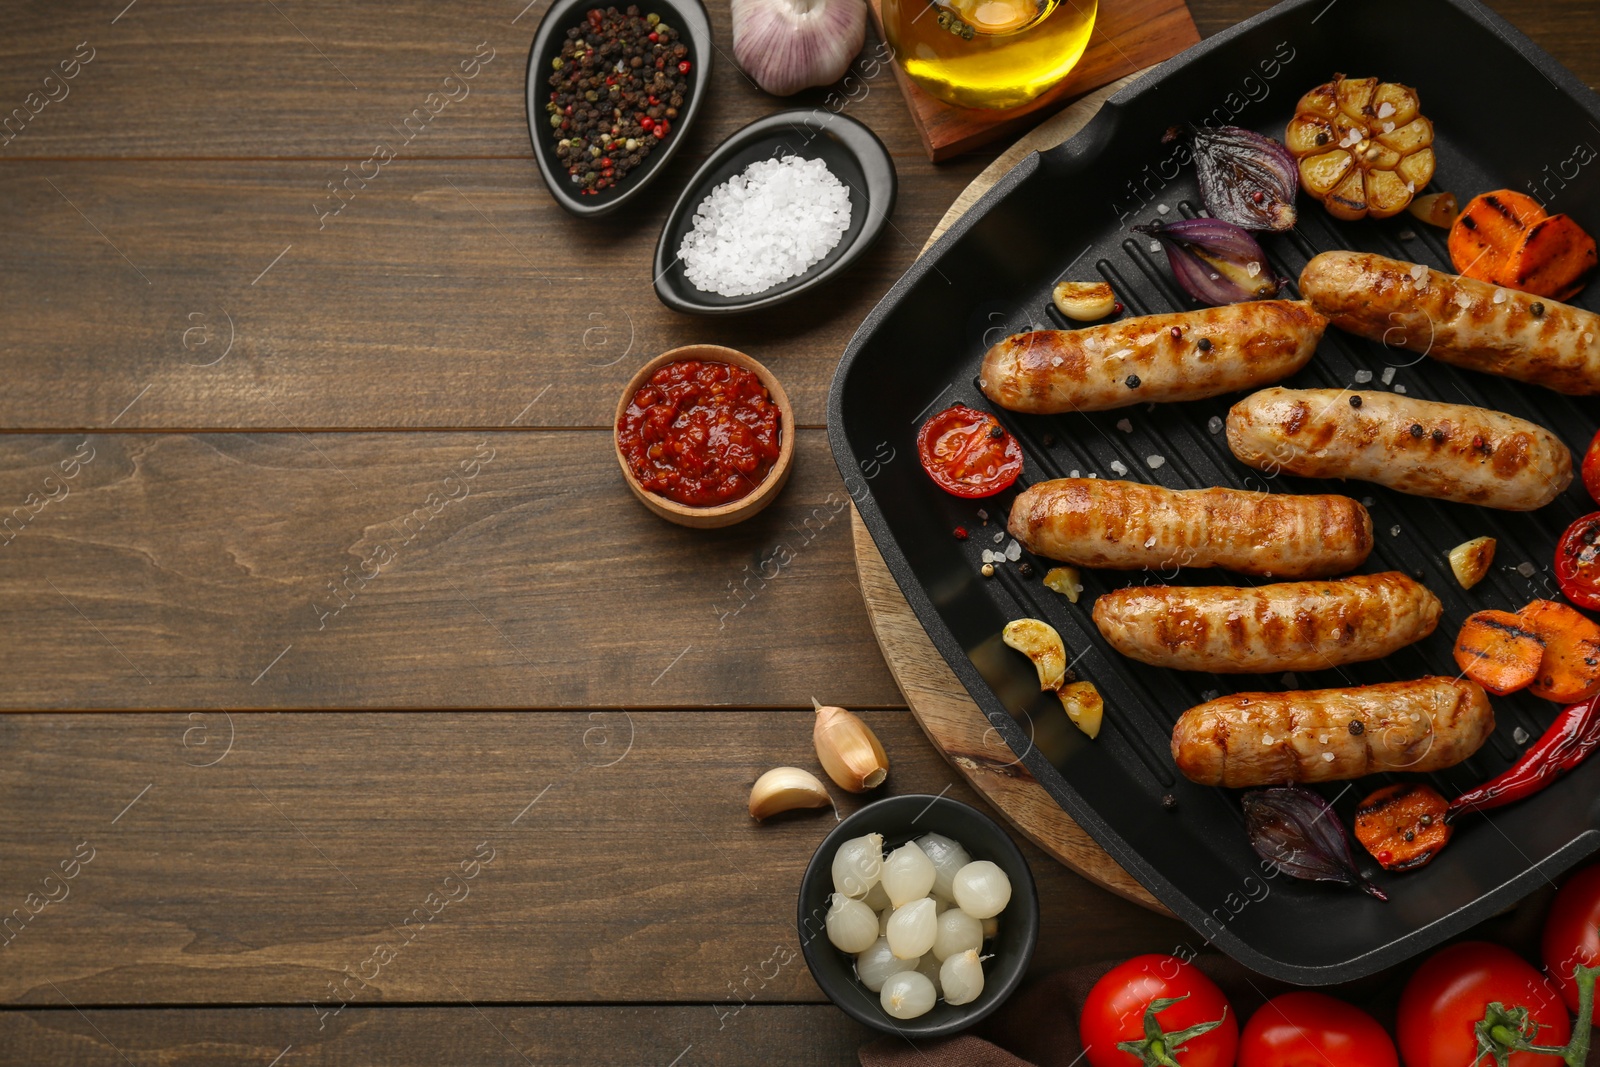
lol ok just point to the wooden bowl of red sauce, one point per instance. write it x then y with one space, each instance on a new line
704 435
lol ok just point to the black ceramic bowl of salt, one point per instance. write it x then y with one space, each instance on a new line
851 152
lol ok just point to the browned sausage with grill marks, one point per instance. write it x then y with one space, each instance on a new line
1321 735
1458 320
1128 526
1282 626
1449 451
1186 355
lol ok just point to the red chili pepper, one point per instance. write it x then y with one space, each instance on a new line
1568 741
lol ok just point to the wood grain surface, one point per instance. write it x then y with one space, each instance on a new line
271 858
173 201
1128 36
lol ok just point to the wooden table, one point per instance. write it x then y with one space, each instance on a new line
371 717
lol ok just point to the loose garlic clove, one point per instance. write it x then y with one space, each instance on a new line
1084 301
961 977
851 925
982 889
785 789
913 927
857 865
850 752
1084 706
907 995
1470 560
1039 642
908 874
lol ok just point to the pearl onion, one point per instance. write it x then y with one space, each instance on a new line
961 977
948 857
928 967
912 928
857 865
982 889
907 995
876 964
956 931
851 925
908 874
877 899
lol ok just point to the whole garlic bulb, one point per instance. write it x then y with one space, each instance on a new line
789 45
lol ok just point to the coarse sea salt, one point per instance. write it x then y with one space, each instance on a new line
772 222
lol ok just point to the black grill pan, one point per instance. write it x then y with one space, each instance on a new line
1505 115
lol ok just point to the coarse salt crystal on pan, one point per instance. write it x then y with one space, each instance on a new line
1072 474
1155 462
1155 246
1394 531
1117 467
771 222
1162 209
988 556
1013 551
1388 375
1125 425
1400 389
1214 424
1363 377
999 535
1525 569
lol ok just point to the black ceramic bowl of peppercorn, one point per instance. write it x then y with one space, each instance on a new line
611 93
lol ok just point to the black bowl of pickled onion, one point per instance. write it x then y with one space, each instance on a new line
718 397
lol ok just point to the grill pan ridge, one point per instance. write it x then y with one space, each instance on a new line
1065 214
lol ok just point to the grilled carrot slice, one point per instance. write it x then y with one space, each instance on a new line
1499 651
1489 231
1403 825
1570 669
1555 255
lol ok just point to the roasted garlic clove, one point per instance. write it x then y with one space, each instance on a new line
1436 209
1066 581
1084 301
850 752
1470 560
1084 706
1039 642
785 789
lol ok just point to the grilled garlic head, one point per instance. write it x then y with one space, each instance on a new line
1363 146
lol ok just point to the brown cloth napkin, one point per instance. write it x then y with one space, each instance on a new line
1038 1027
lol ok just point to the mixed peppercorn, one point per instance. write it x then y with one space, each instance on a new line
615 91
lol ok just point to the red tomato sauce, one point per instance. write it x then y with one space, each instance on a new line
701 433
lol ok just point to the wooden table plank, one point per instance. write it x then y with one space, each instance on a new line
453 295
809 1035
317 78
273 869
411 570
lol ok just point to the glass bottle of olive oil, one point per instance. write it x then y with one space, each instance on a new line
988 53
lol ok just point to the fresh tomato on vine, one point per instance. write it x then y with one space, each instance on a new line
1156 1009
1572 931
1578 562
1305 1029
968 453
1475 987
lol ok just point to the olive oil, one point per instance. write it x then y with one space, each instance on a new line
988 53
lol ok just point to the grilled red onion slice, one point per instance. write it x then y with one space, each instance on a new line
1215 262
1296 830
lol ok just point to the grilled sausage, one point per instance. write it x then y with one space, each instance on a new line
1213 351
1457 320
1285 626
1321 735
1450 451
1129 526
